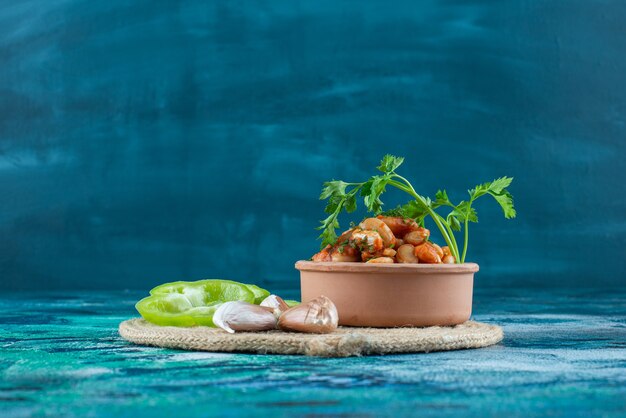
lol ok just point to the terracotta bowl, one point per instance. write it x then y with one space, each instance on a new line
392 295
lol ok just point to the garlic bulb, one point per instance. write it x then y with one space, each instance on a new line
318 316
277 304
244 316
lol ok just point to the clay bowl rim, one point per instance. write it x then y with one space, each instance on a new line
359 267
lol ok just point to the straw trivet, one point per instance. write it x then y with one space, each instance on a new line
345 342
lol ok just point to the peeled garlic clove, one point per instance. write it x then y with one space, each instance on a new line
318 316
244 316
277 304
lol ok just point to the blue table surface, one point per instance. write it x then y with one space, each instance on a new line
564 354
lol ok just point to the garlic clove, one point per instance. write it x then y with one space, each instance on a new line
244 316
318 316
276 303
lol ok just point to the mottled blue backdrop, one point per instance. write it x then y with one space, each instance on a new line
149 141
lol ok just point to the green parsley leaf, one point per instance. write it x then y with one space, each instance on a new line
333 188
416 210
350 204
464 211
505 199
441 199
333 203
389 163
371 191
497 189
454 223
395 212
328 226
496 186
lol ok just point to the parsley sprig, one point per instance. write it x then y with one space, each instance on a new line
342 197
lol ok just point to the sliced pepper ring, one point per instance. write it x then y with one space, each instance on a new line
187 304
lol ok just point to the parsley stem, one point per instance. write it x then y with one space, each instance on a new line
454 249
409 189
466 240
466 231
439 221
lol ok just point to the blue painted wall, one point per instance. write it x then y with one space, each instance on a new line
149 141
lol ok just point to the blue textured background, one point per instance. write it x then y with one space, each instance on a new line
146 141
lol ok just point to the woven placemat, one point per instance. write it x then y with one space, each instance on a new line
345 342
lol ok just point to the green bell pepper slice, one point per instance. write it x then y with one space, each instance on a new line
187 304
259 293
